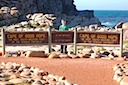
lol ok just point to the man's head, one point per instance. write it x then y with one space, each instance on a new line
63 22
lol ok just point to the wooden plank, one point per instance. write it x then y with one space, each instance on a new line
75 41
49 40
121 43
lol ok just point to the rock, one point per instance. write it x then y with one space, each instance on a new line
14 12
13 77
74 56
83 55
126 35
98 49
116 67
94 55
86 51
25 74
53 55
62 78
6 83
36 70
67 82
119 25
125 25
22 74
60 83
37 82
36 54
9 65
124 81
63 56
45 12
16 81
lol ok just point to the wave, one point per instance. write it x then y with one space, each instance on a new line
109 24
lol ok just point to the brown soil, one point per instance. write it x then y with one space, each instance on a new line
81 71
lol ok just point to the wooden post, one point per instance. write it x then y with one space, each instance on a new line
121 43
49 40
3 41
75 40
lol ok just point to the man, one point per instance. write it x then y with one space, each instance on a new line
63 27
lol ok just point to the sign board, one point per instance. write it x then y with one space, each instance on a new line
98 37
62 37
26 38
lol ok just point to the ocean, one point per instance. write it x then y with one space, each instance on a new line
110 18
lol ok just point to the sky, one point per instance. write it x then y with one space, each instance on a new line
101 4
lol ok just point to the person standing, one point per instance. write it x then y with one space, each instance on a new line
63 27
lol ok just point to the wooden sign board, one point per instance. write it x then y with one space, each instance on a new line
98 37
60 37
26 38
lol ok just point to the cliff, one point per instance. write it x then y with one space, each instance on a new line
43 6
12 11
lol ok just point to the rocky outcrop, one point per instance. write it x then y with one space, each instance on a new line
12 11
40 21
42 6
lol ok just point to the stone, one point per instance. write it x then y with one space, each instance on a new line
94 55
67 82
62 78
126 35
14 12
26 74
16 81
13 77
74 56
63 56
60 83
86 51
124 81
6 83
111 56
53 55
36 70
119 25
116 67
125 25
36 54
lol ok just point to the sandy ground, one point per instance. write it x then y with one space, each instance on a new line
81 71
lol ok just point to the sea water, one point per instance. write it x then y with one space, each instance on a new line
110 18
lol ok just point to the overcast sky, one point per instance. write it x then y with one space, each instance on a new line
101 4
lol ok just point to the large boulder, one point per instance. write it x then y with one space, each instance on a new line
119 25
125 27
36 54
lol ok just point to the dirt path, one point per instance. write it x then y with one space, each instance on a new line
80 71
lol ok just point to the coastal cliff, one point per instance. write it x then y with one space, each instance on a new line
13 11
42 6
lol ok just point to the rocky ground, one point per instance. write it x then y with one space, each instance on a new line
80 71
13 74
121 73
82 52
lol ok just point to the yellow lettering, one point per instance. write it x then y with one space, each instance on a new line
84 35
29 35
